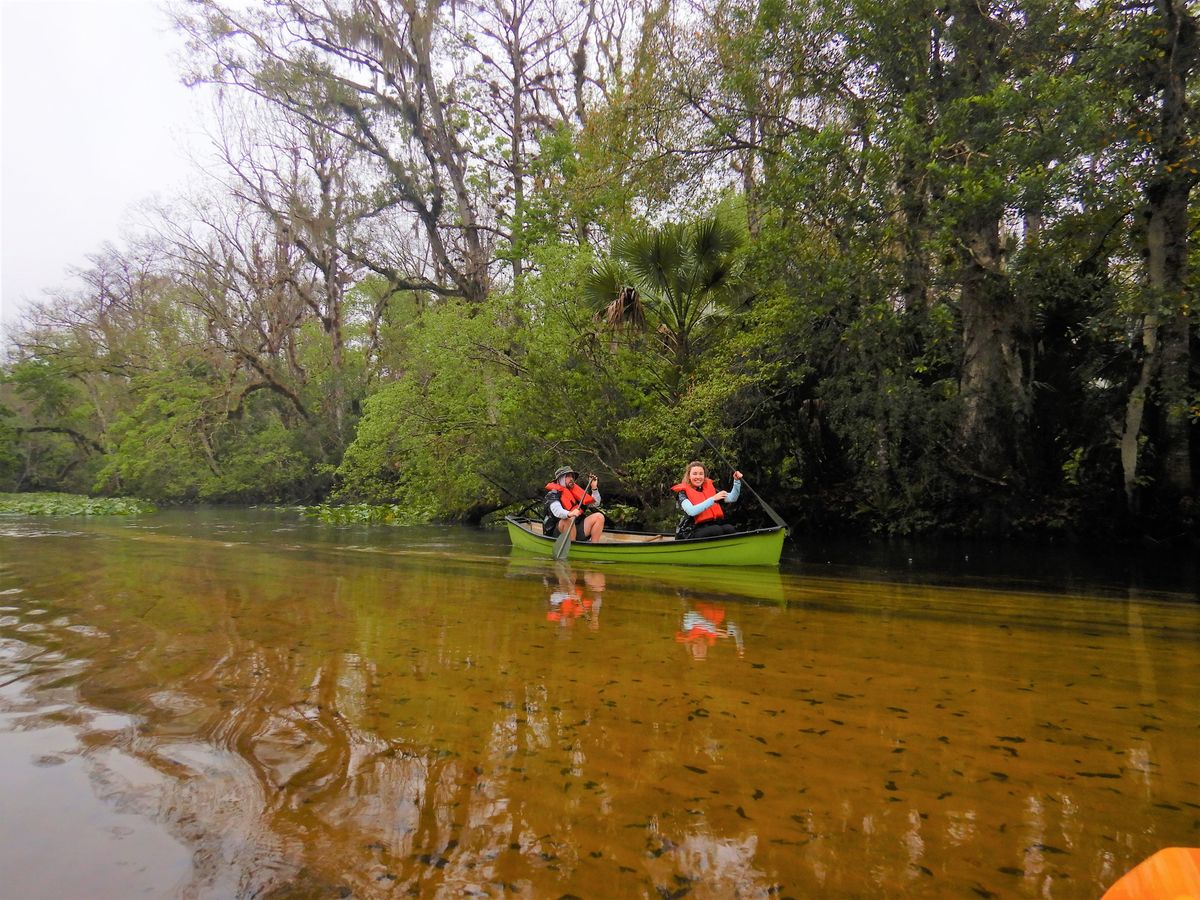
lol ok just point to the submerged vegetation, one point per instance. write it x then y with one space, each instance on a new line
913 267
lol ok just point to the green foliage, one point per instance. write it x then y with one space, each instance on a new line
49 423
425 439
10 460
361 514
55 504
158 446
266 462
45 387
176 444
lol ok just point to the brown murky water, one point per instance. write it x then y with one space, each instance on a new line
236 705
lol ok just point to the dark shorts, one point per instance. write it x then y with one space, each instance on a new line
713 530
550 527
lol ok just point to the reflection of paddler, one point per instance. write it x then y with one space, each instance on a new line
703 626
571 601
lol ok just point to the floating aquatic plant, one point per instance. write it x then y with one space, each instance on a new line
50 504
363 514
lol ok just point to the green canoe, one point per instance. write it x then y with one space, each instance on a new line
746 548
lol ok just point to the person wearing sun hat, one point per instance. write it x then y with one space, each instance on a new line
565 506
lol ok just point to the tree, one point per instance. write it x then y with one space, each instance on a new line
1163 40
301 176
679 281
371 73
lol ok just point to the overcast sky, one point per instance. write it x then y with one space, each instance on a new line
93 120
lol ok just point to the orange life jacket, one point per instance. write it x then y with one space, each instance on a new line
570 496
571 607
697 497
706 628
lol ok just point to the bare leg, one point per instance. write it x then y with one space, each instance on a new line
593 527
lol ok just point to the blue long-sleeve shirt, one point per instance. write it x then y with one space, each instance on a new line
694 509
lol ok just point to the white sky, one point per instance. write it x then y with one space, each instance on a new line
93 120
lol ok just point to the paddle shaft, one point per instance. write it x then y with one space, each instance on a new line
774 516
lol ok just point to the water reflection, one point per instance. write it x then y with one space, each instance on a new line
309 719
576 595
703 625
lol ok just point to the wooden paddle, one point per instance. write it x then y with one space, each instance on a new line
562 546
1170 873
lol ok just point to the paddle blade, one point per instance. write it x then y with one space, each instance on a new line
562 546
1171 873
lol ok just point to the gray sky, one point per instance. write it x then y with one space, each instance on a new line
93 120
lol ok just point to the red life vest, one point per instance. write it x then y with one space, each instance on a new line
697 497
705 630
570 607
569 497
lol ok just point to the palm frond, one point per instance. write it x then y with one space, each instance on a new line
687 280
603 282
606 290
653 256
713 239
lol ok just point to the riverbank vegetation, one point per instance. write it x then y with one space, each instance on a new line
57 504
914 267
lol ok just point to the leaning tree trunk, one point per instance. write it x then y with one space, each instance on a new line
1181 139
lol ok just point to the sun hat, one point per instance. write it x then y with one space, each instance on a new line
564 470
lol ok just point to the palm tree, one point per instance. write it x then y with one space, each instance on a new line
679 280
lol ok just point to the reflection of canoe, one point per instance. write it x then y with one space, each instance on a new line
747 548
721 583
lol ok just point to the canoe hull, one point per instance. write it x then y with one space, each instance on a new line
750 548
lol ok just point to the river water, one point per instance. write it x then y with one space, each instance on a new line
241 704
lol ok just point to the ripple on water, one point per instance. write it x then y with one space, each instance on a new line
100 720
176 701
28 531
207 760
87 631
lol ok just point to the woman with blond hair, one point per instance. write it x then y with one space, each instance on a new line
701 503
